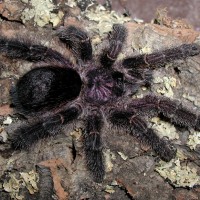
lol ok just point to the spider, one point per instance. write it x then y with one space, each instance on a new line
96 90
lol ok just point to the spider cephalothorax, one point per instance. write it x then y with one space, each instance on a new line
94 90
103 86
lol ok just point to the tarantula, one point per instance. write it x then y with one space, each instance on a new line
96 89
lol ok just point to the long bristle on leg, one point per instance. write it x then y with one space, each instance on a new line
162 57
139 129
77 41
139 76
17 48
93 147
27 135
173 110
116 41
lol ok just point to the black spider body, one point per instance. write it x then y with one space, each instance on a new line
44 88
96 91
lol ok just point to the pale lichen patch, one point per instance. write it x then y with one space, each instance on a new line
71 3
123 156
167 84
41 12
109 189
165 129
77 133
193 139
30 181
192 98
7 121
103 19
179 174
12 185
109 156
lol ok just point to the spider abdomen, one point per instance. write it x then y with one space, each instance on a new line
45 87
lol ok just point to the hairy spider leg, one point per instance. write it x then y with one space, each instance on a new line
116 41
137 67
173 110
45 182
26 50
77 41
139 76
138 128
162 57
93 147
25 136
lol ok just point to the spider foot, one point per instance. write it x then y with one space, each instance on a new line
116 40
26 50
173 110
25 136
139 76
78 41
166 150
93 147
162 57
